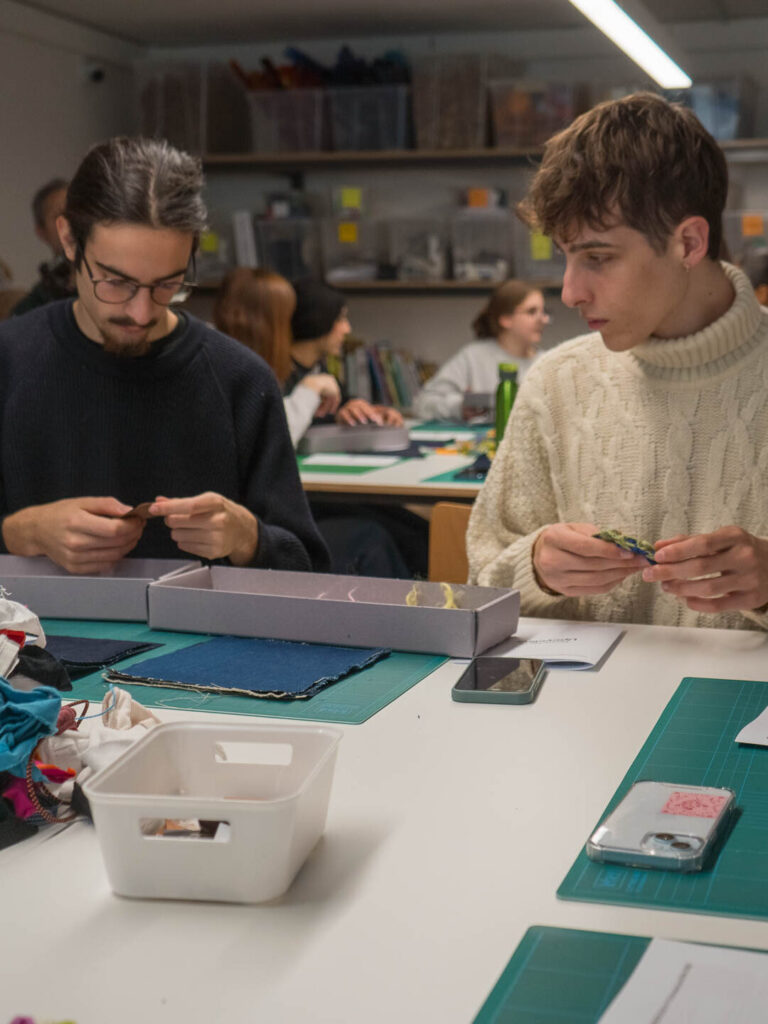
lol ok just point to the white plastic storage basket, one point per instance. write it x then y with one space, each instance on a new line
270 784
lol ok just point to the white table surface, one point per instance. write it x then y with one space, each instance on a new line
409 475
449 829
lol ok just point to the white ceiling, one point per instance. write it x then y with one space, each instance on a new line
207 22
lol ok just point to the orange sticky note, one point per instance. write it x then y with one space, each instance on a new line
752 225
347 231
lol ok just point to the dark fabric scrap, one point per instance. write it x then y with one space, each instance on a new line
43 667
253 667
13 829
82 654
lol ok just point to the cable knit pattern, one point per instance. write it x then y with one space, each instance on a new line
667 438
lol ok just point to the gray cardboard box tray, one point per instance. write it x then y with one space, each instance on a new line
356 610
50 591
337 437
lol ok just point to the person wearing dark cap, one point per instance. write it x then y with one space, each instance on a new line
319 324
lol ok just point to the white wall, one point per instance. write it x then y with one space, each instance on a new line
50 114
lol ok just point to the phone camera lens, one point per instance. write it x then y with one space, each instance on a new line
665 837
680 845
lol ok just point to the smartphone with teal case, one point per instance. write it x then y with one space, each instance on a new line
489 680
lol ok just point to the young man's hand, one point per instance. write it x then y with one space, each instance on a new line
568 560
735 563
210 526
357 410
82 535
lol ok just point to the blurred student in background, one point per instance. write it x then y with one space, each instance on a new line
510 328
255 306
56 278
319 325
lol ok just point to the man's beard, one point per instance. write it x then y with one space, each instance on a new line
118 345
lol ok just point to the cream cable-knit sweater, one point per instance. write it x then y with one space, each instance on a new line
670 437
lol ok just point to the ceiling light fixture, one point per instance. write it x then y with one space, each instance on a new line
634 41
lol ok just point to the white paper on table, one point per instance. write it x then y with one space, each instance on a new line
442 435
571 645
344 459
756 731
680 982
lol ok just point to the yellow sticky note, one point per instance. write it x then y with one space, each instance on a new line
541 246
209 242
752 225
347 231
352 198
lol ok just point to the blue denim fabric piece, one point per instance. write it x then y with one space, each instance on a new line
25 718
84 654
254 667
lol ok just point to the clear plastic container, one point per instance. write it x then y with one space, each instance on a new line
266 786
289 246
529 113
369 117
726 106
481 242
228 115
537 258
417 249
171 103
449 101
287 120
350 250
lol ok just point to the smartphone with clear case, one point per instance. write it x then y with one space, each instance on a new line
663 825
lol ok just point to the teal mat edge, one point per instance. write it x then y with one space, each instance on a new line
569 887
349 701
508 1003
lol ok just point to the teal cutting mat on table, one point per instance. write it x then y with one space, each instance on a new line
562 976
350 701
694 743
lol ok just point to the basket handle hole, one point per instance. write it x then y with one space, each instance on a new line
252 752
187 830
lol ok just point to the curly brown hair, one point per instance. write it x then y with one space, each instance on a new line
639 160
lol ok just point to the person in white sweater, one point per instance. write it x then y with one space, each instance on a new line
255 307
511 325
655 423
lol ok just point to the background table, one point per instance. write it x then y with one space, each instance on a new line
450 827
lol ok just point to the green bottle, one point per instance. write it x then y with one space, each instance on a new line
505 397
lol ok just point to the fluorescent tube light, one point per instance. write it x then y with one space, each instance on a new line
634 41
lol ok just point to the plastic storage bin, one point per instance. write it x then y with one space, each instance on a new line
726 107
350 250
369 117
171 102
290 246
529 113
449 101
417 249
287 120
481 242
267 786
228 115
535 255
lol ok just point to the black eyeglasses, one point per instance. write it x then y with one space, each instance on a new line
115 290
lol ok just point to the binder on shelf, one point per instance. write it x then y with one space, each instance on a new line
245 239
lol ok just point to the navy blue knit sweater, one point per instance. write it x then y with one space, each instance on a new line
199 412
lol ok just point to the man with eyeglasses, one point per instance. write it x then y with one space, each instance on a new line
119 398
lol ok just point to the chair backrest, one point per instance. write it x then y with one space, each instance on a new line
447 542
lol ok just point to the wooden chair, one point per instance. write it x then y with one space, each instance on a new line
447 542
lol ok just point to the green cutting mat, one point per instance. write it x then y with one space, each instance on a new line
349 470
451 477
693 743
350 701
561 976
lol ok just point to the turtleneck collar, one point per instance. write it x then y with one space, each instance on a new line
712 350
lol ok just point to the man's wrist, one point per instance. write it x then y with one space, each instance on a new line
19 533
245 550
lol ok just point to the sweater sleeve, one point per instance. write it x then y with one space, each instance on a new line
442 396
300 407
515 504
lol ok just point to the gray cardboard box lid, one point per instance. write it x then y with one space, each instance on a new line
363 437
359 611
50 591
